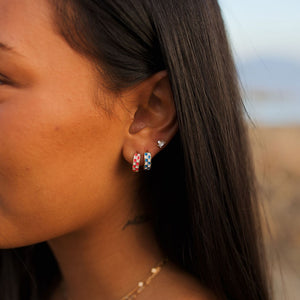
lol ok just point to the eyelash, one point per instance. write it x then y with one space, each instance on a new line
3 81
3 78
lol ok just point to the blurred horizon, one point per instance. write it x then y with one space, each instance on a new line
265 43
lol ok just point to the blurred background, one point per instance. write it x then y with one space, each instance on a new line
265 40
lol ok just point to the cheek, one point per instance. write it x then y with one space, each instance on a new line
56 168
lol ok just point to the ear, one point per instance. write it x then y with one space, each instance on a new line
153 117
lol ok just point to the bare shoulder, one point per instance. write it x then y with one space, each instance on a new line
176 284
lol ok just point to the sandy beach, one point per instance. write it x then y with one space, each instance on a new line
277 162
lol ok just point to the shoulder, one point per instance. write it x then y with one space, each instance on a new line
176 284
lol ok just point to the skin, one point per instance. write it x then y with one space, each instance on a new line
65 165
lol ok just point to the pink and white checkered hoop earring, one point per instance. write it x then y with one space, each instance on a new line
136 162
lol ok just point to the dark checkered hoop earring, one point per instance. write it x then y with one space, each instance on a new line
147 161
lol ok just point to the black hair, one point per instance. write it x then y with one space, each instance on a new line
205 207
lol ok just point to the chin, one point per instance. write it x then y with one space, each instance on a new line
15 237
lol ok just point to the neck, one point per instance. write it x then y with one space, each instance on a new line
107 259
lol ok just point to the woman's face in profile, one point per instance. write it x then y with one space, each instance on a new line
58 155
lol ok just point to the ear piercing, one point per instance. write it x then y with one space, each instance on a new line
147 161
137 159
161 143
136 162
147 158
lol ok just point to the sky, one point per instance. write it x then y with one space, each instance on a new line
263 28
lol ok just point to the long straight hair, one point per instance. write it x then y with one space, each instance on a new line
201 188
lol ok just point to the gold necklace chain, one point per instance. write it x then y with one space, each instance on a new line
141 284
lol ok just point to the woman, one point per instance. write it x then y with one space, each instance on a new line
124 159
